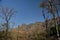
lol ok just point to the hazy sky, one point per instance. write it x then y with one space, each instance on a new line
28 11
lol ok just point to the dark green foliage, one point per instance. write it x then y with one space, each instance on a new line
53 30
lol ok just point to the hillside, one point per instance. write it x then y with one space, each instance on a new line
28 31
32 31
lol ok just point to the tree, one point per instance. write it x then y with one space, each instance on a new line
52 8
43 6
7 14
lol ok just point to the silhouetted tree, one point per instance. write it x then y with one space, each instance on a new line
7 14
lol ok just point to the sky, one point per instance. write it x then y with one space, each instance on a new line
28 11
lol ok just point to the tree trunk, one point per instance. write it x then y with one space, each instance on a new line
7 27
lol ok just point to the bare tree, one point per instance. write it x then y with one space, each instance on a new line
7 14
